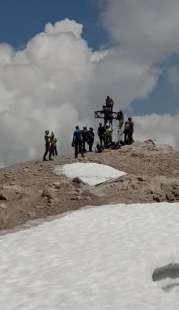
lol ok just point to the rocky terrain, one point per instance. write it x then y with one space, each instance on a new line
31 190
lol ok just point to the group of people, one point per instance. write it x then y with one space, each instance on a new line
124 132
50 145
83 139
105 135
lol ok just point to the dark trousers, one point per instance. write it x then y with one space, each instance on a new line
47 150
54 151
91 146
84 145
101 139
131 140
128 137
78 149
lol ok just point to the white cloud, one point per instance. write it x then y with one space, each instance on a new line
123 78
144 33
146 30
57 81
163 128
42 87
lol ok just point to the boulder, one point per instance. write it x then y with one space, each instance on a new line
78 181
47 193
3 196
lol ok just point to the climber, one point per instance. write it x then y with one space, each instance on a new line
84 136
128 131
77 142
109 103
53 145
90 139
120 118
108 135
101 131
131 130
47 145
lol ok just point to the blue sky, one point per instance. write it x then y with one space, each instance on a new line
164 99
58 73
20 20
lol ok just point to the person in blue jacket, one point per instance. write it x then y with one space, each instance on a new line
77 142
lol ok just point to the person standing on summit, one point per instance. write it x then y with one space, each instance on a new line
128 131
53 145
84 136
77 142
47 145
109 103
120 119
101 133
108 110
131 130
90 139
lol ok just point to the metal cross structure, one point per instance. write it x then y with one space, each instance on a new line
107 114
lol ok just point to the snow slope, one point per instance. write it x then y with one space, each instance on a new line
93 259
90 173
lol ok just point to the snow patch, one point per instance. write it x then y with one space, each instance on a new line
90 173
95 258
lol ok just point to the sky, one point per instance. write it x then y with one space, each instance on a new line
22 19
60 59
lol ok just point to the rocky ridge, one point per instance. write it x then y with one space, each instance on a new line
31 190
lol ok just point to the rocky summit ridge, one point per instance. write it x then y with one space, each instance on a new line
31 190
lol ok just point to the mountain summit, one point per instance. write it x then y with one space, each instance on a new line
32 190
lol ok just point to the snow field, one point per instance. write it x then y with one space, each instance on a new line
92 259
90 173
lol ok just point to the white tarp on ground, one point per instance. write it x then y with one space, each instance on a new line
94 259
90 173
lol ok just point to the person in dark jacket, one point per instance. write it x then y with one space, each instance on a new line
47 145
90 139
128 131
101 133
109 103
53 145
77 142
55 152
131 130
84 134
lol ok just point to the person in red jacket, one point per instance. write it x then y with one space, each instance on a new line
131 130
128 131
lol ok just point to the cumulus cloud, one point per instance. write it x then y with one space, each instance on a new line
58 81
43 86
146 33
146 30
163 128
